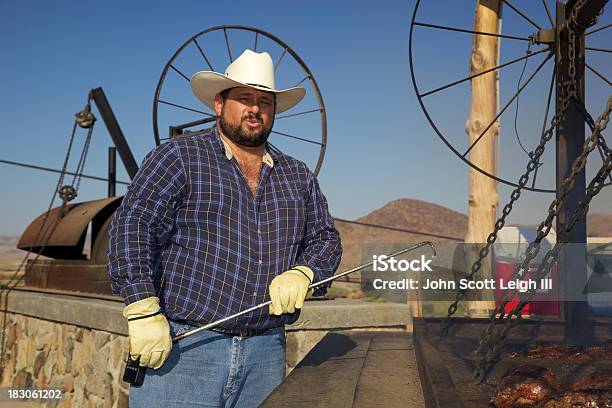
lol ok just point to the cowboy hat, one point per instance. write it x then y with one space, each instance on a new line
252 70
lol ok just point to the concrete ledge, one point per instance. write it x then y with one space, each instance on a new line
75 310
106 314
347 313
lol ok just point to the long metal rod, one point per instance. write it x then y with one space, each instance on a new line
298 138
599 29
597 49
552 24
229 51
184 107
279 60
115 132
507 104
32 166
463 30
179 72
195 41
597 73
483 72
550 90
522 15
313 285
299 113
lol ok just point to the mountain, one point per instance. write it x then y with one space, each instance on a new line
445 225
599 225
425 221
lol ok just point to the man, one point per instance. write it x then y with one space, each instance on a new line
216 222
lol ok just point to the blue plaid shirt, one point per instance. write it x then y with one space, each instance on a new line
189 220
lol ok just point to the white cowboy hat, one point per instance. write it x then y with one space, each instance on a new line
251 69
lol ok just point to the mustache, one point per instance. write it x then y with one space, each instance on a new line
251 116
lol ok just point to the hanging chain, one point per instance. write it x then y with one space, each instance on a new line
491 343
85 120
569 92
499 224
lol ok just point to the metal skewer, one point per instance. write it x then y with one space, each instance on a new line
313 285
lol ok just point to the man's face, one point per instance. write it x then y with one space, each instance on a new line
246 115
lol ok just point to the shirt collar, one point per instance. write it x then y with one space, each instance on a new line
227 149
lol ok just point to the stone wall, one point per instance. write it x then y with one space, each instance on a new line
79 344
87 364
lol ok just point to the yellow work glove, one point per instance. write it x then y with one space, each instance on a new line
149 332
289 290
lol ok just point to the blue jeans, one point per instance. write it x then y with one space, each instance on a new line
210 369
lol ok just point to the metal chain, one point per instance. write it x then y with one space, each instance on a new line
568 88
13 281
512 319
491 342
499 224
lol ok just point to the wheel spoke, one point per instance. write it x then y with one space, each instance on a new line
550 19
203 55
603 158
229 50
482 73
597 49
462 30
179 72
184 107
545 122
303 79
297 114
522 15
599 29
298 138
597 73
279 60
507 104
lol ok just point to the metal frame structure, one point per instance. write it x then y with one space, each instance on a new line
548 38
180 128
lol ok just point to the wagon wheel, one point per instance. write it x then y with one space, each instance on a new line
532 83
176 110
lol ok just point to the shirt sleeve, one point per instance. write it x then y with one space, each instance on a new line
320 249
143 223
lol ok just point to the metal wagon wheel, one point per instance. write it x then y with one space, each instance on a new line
531 31
214 49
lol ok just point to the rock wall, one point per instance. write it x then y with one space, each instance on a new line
87 364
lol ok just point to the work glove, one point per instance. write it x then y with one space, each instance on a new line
289 290
149 332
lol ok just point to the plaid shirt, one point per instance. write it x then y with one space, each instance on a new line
189 217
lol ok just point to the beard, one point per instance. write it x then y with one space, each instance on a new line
242 135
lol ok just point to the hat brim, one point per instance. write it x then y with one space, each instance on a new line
206 84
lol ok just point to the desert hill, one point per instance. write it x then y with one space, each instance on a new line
444 225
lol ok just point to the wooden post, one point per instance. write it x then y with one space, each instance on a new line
483 197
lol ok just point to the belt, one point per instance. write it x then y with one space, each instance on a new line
243 333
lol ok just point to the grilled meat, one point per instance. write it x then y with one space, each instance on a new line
525 386
565 352
581 399
600 380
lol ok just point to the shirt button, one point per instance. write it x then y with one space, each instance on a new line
259 231
260 262
254 293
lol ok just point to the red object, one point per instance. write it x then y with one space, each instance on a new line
546 303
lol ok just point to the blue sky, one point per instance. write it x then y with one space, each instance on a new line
380 146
